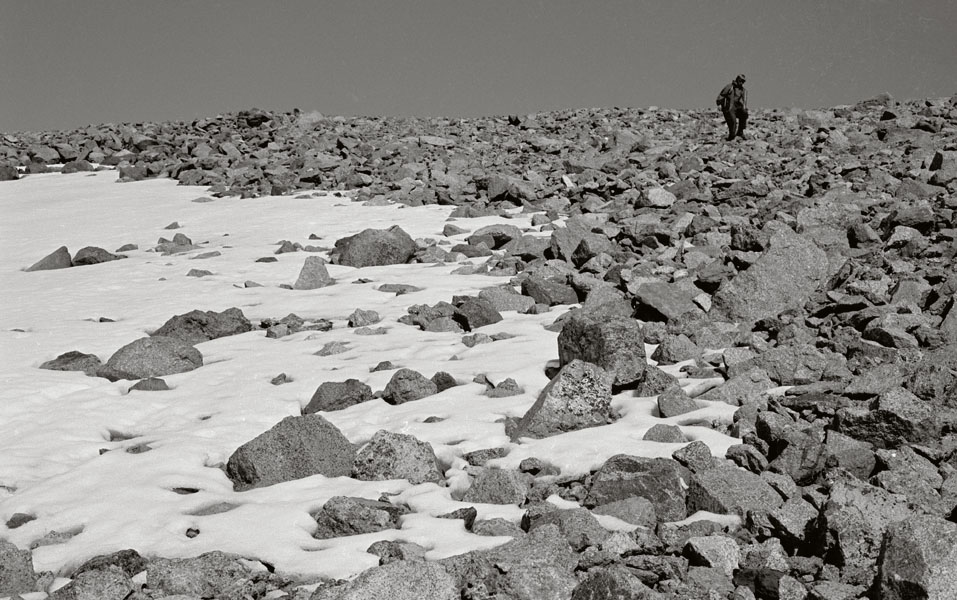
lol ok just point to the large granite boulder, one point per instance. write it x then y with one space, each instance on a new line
294 448
785 276
919 560
375 247
579 396
614 344
396 456
658 480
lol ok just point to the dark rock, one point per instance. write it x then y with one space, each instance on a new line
198 326
342 515
741 390
336 395
662 301
616 345
443 381
505 388
895 417
9 173
150 384
578 526
294 448
696 456
475 313
375 247
154 356
729 490
407 385
656 479
396 456
129 561
91 255
579 396
74 361
548 292
58 259
675 401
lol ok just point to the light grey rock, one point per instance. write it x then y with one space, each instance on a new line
579 396
396 456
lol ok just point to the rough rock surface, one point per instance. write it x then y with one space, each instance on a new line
616 345
294 448
198 326
396 456
375 247
579 396
154 356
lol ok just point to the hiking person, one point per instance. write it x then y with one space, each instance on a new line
733 101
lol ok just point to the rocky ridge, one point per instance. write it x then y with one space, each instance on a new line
811 268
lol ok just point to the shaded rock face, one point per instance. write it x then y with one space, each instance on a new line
729 490
614 344
58 259
151 357
336 395
74 361
91 255
655 479
579 396
396 456
407 385
785 276
294 448
375 247
198 326
342 515
919 560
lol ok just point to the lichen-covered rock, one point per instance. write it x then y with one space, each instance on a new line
336 395
209 575
656 479
16 569
729 490
396 456
498 486
919 560
407 385
579 396
399 580
343 515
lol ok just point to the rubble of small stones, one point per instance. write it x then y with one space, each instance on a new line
811 268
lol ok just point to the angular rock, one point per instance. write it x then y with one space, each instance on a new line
498 486
577 525
895 417
198 326
58 259
375 247
396 456
714 551
407 385
784 277
336 395
579 396
109 583
294 448
363 318
614 344
919 560
16 570
729 490
475 313
662 301
656 479
343 515
613 583
506 298
154 356
313 275
399 580
549 292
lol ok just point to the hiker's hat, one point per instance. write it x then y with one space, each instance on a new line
740 78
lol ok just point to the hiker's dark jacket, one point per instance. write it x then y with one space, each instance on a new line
733 99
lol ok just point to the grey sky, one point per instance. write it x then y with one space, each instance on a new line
66 64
